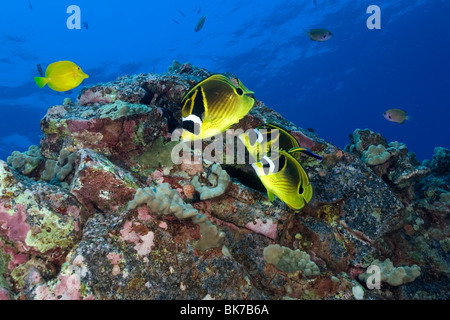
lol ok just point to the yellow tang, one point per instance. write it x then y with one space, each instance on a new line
268 138
212 106
62 76
283 176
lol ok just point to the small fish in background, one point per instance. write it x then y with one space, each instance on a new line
29 3
39 69
175 21
181 12
62 76
200 23
319 34
396 115
315 2
86 25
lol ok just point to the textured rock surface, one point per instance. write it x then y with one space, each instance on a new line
67 230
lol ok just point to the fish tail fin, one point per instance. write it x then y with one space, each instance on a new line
41 81
408 118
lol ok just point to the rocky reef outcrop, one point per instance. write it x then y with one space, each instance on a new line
99 210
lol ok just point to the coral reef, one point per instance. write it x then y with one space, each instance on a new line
101 211
163 200
289 260
394 276
218 177
26 162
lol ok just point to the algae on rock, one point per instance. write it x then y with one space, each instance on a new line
163 201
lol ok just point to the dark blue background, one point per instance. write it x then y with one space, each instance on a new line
333 87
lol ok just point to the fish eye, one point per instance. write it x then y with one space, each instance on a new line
239 91
79 68
324 36
389 115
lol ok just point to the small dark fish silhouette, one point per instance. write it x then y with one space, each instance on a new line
29 3
181 12
315 2
86 25
199 9
200 24
39 68
175 21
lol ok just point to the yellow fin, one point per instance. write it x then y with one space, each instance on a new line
244 88
271 196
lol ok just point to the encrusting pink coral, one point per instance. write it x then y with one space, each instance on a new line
15 225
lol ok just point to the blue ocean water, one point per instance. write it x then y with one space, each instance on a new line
333 87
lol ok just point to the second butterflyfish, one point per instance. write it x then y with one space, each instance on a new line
268 138
283 176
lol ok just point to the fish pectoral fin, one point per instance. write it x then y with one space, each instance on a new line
271 196
41 81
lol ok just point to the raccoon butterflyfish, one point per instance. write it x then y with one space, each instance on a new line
283 176
62 76
212 106
269 137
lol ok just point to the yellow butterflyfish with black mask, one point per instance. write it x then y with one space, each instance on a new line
273 149
283 176
269 137
212 106
62 76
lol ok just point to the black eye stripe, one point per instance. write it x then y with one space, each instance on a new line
191 126
198 108
239 91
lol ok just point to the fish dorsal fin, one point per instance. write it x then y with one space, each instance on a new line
244 88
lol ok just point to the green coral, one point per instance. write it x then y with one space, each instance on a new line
59 169
163 201
375 155
26 162
394 276
159 154
218 177
289 260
